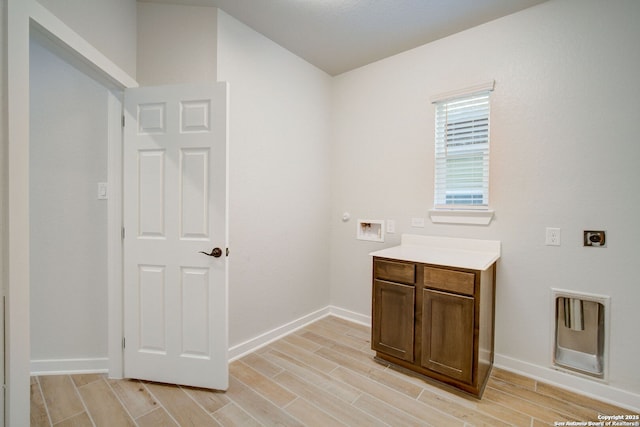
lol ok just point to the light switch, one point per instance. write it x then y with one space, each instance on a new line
391 226
103 191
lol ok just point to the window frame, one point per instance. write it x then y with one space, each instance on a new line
480 214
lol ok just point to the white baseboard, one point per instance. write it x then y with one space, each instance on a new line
593 388
96 365
249 346
350 315
239 350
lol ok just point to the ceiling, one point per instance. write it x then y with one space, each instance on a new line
340 35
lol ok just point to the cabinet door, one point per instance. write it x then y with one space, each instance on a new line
393 310
447 334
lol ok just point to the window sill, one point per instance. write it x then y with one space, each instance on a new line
452 216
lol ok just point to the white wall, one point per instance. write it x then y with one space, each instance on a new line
564 154
176 44
3 144
3 191
279 181
68 246
110 26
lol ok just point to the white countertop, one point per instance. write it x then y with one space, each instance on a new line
447 251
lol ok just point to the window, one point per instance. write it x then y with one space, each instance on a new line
462 152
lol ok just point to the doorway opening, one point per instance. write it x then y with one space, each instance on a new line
68 218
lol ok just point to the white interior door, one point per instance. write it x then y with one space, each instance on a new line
175 213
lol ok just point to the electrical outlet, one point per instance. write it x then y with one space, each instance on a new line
552 237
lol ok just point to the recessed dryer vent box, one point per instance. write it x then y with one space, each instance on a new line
370 229
580 335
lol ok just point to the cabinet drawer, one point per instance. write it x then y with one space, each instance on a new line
395 271
449 280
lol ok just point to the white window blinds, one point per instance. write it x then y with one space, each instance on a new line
462 152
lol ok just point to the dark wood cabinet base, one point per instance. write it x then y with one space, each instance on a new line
435 321
432 377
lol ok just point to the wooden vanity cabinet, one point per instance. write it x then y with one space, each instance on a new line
435 320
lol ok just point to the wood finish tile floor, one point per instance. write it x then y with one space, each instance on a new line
322 375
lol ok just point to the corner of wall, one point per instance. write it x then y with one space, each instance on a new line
176 44
95 21
279 181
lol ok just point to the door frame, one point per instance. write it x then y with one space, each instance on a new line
21 17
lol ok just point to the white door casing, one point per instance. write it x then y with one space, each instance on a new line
175 208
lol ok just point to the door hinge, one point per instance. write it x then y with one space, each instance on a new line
122 233
124 343
123 120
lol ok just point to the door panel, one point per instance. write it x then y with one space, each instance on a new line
194 285
447 334
392 322
194 191
151 205
175 194
152 316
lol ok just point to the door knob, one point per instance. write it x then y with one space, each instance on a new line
215 252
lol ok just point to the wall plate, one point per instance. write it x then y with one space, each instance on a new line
594 238
370 229
103 191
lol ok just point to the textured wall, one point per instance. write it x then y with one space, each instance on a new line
279 182
68 232
176 44
564 154
110 26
